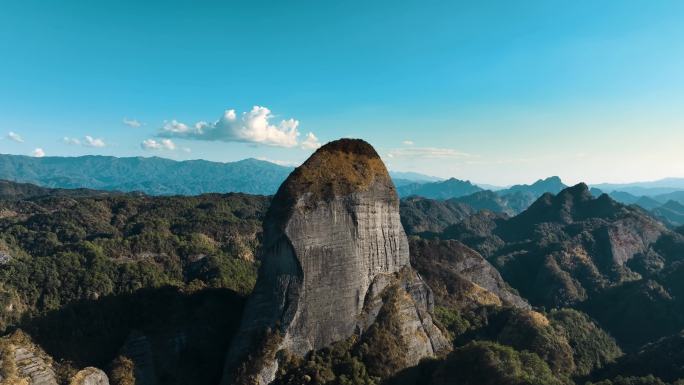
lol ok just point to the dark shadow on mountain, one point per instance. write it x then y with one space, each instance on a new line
189 333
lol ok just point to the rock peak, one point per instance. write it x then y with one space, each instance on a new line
349 146
333 242
337 169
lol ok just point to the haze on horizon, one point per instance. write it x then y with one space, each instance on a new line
499 93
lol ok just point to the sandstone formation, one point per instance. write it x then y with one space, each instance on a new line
333 243
23 362
460 276
139 350
89 376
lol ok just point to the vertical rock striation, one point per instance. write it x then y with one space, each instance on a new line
332 233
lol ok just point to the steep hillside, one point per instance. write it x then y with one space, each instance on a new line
572 249
671 213
509 201
81 271
153 288
422 215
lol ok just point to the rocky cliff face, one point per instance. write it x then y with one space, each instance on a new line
24 362
333 242
460 276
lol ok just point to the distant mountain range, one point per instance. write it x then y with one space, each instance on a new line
510 200
658 187
413 177
668 207
450 188
154 176
159 176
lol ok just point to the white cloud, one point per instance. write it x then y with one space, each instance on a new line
253 126
15 137
164 144
73 141
310 142
89 141
428 153
132 122
38 153
408 142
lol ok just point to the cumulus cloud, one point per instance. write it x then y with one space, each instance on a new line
15 137
73 141
428 153
254 126
38 153
164 144
93 142
132 122
87 141
310 142
408 142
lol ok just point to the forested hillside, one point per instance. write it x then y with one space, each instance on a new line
573 290
83 274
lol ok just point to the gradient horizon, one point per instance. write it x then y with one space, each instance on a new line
498 93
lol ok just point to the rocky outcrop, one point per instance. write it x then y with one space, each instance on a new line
631 236
333 241
24 362
460 276
400 306
138 349
89 376
567 247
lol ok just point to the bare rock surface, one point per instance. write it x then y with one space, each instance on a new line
24 362
89 376
332 232
138 349
460 276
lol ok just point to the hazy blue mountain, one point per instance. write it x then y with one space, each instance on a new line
661 186
485 200
677 196
450 188
552 185
624 197
158 176
413 177
510 201
671 213
514 199
647 202
402 182
155 176
490 187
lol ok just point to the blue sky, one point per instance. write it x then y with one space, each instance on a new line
499 92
